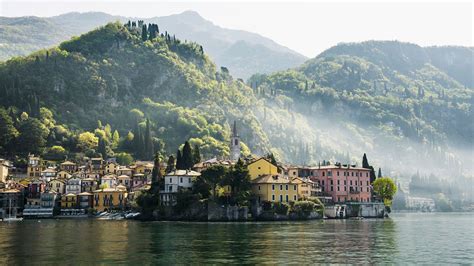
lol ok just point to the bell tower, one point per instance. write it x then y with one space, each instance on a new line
234 144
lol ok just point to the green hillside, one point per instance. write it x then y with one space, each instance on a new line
113 76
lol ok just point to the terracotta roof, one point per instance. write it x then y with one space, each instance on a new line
68 163
85 194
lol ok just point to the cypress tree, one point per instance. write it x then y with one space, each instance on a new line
380 173
179 160
144 33
102 149
156 176
365 162
187 156
148 141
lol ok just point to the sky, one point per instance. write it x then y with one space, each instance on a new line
306 27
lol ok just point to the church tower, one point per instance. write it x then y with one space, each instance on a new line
234 144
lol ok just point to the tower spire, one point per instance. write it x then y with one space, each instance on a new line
235 143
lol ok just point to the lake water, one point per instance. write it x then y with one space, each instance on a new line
404 238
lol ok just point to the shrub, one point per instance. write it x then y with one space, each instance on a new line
303 208
281 208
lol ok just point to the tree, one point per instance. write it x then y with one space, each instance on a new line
272 159
56 153
148 141
179 160
196 154
87 141
124 158
214 176
366 165
170 164
385 188
144 33
379 175
33 136
102 148
8 131
238 179
187 156
156 177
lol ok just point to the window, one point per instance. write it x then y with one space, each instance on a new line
281 187
338 188
351 182
273 197
171 180
331 182
286 198
273 187
259 168
329 173
367 182
294 187
180 180
286 187
338 183
345 181
323 173
337 173
352 173
258 187
322 182
170 188
332 189
281 198
189 179
366 174
294 197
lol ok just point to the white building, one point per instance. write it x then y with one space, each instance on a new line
176 181
73 185
4 166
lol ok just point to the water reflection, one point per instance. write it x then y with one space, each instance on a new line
333 241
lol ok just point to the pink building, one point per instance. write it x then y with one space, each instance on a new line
343 182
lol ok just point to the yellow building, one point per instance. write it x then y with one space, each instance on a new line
142 167
261 167
68 166
35 166
4 166
111 168
63 174
110 198
274 188
58 186
69 201
306 188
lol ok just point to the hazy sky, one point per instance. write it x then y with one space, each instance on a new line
306 27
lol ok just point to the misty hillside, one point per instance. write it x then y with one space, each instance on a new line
243 53
399 102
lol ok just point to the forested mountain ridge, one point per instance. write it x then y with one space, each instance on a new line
150 88
243 53
387 96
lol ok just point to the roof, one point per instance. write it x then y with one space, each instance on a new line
58 179
271 179
85 194
49 170
71 195
330 167
261 158
68 163
123 176
183 173
11 191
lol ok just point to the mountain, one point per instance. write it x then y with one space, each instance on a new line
399 102
229 48
112 91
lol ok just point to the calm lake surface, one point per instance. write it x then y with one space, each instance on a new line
404 238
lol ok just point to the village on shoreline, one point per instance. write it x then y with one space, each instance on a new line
235 189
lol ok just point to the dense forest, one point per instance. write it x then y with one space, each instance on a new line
131 90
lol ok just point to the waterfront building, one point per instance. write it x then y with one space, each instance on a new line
49 200
176 181
33 192
68 167
85 200
275 188
261 167
4 167
11 203
306 188
343 182
107 199
73 185
69 201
